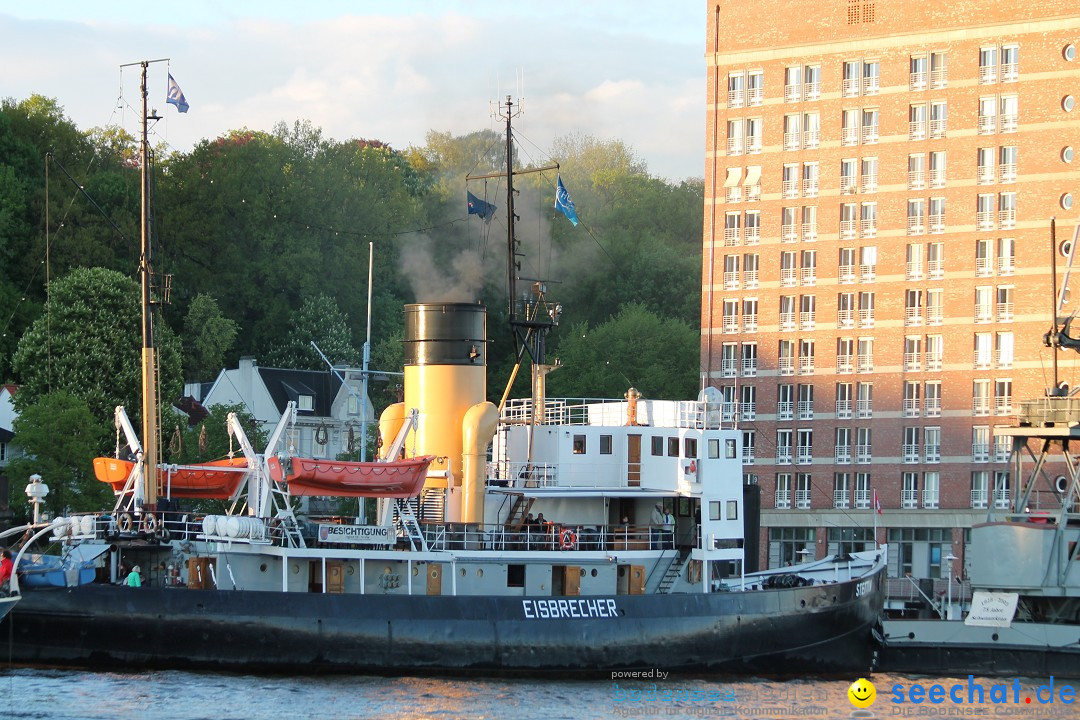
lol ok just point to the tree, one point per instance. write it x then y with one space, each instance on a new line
208 335
88 343
658 356
61 438
318 320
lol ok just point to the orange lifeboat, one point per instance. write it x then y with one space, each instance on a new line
216 480
338 478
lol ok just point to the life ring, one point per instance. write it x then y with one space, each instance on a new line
163 535
693 467
150 524
123 523
567 539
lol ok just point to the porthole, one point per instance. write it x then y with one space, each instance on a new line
262 568
350 570
295 569
479 572
1067 201
582 572
1069 52
415 571
1065 248
1067 154
1068 103
593 573
462 573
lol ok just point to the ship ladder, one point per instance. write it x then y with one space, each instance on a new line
406 521
518 512
674 570
283 520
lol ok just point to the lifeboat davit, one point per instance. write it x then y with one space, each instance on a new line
339 478
216 480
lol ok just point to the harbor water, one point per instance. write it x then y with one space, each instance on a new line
37 693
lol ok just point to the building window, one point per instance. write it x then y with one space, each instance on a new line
939 70
305 402
912 352
933 398
983 351
866 310
841 492
749 440
747 402
844 402
980 398
909 491
869 126
852 81
987 115
868 253
937 169
916 216
937 215
869 174
871 77
988 65
811 130
792 134
802 490
864 399
749 359
913 311
912 392
849 132
932 445
736 90
1008 155
750 315
789 546
863 449
783 447
842 447
917 73
916 171
845 360
753 135
786 356
862 490
755 87
785 403
939 113
735 137
980 483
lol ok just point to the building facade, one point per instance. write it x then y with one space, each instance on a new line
880 179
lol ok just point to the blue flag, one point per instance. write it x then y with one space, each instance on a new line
176 96
564 204
479 207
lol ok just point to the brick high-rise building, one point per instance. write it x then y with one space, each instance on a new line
880 179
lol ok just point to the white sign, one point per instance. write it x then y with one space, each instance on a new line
366 534
992 609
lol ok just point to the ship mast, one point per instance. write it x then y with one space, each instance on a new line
531 316
149 460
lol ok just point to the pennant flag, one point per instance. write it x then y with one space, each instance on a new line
877 503
564 204
479 207
176 96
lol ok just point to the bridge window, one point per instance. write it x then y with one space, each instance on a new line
605 444
579 444
690 447
658 446
673 447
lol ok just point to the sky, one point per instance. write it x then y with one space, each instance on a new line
627 70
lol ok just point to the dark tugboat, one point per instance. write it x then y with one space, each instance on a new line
455 576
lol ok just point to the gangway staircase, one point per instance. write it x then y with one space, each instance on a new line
674 570
518 511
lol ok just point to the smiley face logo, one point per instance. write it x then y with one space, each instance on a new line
862 693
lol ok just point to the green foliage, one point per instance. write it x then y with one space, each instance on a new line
208 335
61 438
89 344
320 320
635 348
209 439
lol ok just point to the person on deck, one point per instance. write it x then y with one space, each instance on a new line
6 566
134 579
657 522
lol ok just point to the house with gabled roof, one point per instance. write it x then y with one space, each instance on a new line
8 448
329 410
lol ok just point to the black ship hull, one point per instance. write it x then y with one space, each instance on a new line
821 630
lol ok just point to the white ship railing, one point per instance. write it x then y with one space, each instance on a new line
547 537
611 412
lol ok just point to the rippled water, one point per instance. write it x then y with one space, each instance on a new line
82 695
